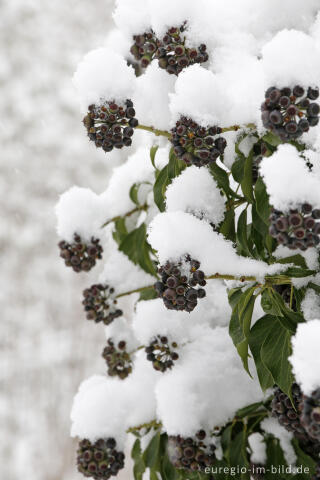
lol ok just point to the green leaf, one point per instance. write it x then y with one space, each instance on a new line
299 272
257 334
237 169
246 184
254 407
222 179
120 230
167 469
148 294
242 237
139 466
134 192
262 201
298 260
164 178
275 351
153 151
153 475
228 226
238 453
271 139
136 247
304 460
151 453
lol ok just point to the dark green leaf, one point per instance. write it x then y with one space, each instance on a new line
222 179
304 461
257 334
238 453
153 151
254 407
242 237
246 183
120 230
136 247
271 139
237 169
139 466
148 294
167 469
228 226
164 178
134 192
298 260
275 351
299 272
151 453
262 201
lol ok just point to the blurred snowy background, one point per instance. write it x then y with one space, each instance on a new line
47 347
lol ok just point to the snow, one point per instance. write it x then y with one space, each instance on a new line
258 448
95 75
305 358
195 191
107 407
310 305
174 234
206 387
284 169
311 255
291 58
271 425
151 103
80 211
120 330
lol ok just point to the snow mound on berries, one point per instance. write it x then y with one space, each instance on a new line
79 210
152 317
195 191
132 17
258 449
206 387
290 58
137 169
121 330
288 180
103 75
151 103
305 358
107 407
310 305
271 425
170 232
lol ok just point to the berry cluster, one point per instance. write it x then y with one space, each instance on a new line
289 416
297 229
160 353
177 284
197 145
171 51
190 454
290 112
118 359
110 125
81 257
99 460
310 414
100 304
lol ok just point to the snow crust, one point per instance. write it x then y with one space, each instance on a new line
258 448
305 358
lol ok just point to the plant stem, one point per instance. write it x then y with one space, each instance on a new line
235 128
153 424
157 132
128 214
137 290
242 278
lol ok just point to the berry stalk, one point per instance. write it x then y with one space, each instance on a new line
155 131
128 214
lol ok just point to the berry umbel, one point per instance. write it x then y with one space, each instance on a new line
178 282
100 304
197 145
80 256
191 454
289 112
298 229
171 50
162 353
118 359
310 414
111 125
99 460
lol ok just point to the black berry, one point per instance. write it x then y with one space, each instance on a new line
99 460
191 454
100 304
80 256
118 359
161 353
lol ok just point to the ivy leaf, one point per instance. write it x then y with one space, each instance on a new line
262 201
242 236
237 169
134 192
246 184
228 226
164 178
299 272
151 453
257 334
238 453
271 139
254 407
148 294
275 350
137 249
298 260
167 469
120 230
222 179
153 151
139 466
